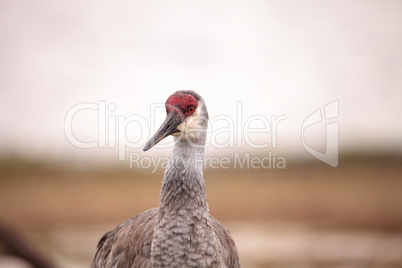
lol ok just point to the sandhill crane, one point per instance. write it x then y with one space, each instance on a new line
180 232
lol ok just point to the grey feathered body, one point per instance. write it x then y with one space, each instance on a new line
129 245
181 232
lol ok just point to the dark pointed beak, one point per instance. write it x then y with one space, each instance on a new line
168 127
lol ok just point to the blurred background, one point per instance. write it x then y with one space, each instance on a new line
82 86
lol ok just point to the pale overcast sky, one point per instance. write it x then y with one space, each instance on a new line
271 58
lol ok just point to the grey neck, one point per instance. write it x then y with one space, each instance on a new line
183 184
183 235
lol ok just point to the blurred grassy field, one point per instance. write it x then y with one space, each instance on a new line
358 193
361 194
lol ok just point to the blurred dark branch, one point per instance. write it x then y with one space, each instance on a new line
15 244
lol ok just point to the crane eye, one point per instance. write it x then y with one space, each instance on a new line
190 109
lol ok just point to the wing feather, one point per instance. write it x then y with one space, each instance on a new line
229 251
129 244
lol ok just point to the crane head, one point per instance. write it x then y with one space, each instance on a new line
187 117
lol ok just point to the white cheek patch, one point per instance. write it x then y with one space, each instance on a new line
181 127
192 123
